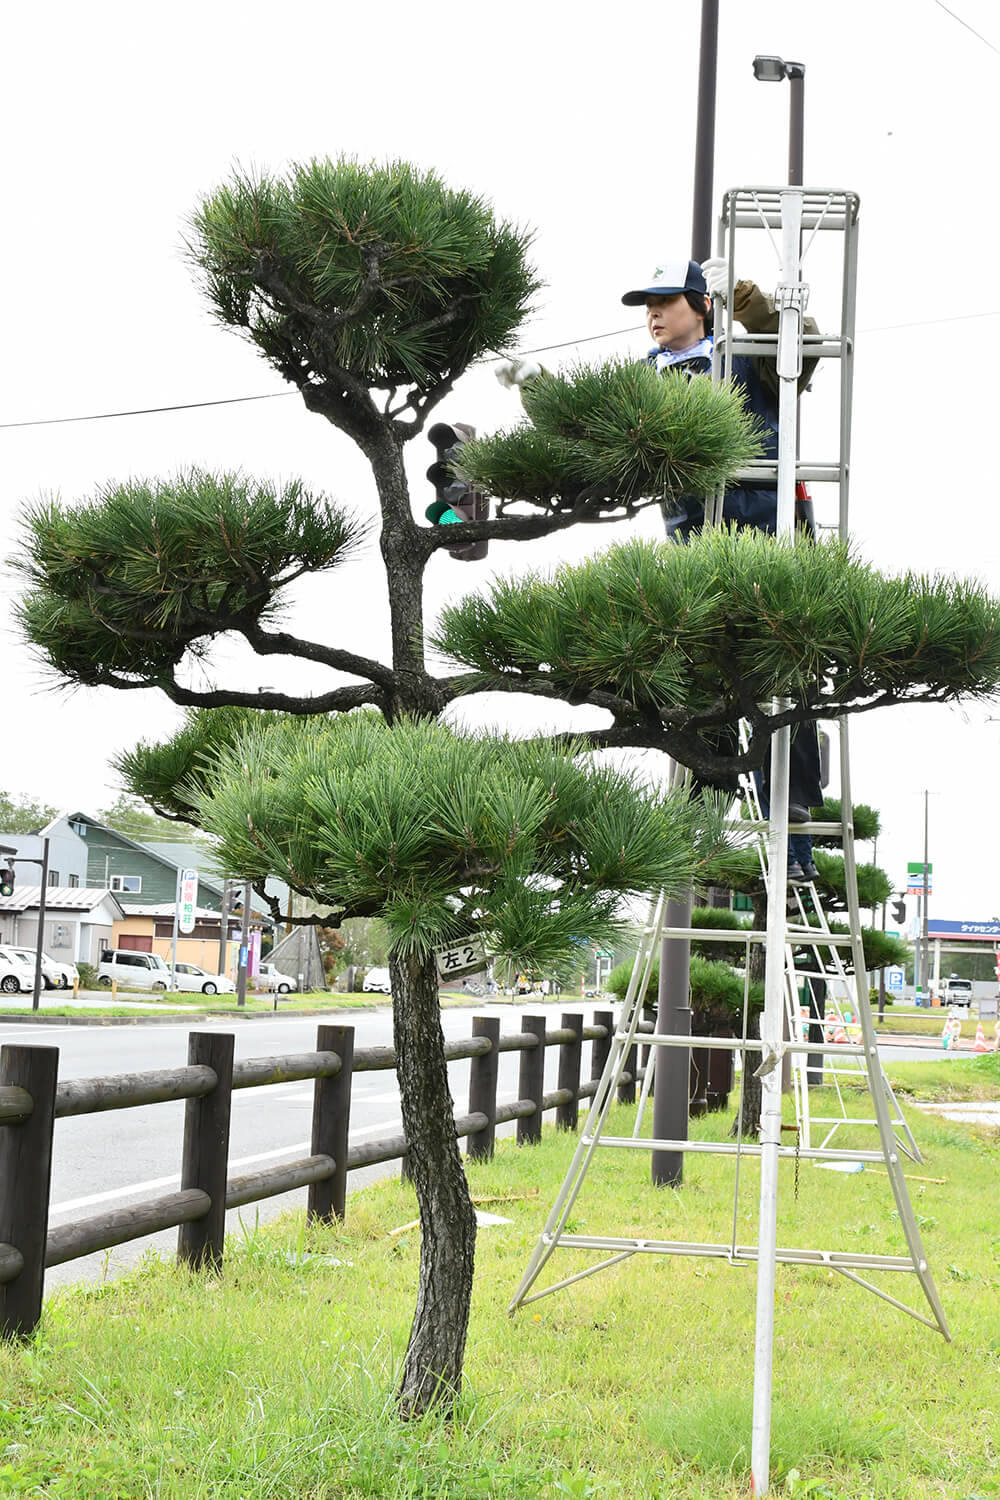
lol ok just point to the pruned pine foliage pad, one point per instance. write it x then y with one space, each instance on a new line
380 271
617 433
735 616
438 832
123 585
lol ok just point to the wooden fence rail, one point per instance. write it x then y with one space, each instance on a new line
31 1100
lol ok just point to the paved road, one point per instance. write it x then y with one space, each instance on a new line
109 1160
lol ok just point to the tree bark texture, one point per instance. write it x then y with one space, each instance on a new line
432 1371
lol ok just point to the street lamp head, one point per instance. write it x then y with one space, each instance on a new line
768 69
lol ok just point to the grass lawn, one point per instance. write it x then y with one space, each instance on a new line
929 1023
276 1378
214 1005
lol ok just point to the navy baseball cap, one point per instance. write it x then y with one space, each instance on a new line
668 277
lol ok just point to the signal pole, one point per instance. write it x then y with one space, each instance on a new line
925 965
673 1012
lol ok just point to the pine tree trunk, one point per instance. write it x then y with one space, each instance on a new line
432 1371
751 1086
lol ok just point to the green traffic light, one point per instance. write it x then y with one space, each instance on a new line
441 514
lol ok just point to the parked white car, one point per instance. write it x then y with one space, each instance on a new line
190 977
56 975
70 973
141 971
15 974
376 982
271 979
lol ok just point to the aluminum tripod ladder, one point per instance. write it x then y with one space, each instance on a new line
792 213
826 956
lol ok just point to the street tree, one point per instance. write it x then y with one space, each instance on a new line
371 290
441 835
22 814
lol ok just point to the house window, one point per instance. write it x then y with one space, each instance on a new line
53 877
74 880
130 884
79 828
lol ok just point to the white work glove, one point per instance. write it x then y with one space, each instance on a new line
716 273
511 372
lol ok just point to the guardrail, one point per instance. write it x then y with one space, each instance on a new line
32 1099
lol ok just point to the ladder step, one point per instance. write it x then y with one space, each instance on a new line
835 1259
762 825
737 1044
754 935
766 472
732 1148
814 346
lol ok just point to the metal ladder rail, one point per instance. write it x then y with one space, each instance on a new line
800 1089
621 1044
909 1146
822 210
879 1097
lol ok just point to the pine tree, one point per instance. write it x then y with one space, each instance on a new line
371 290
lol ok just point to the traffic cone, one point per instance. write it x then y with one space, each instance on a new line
979 1045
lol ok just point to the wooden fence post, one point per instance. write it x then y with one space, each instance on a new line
205 1162
483 1073
626 1090
531 1081
331 1123
570 1057
601 1045
25 1172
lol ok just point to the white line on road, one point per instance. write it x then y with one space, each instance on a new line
175 1177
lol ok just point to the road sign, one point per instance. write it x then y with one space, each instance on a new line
468 956
894 978
188 900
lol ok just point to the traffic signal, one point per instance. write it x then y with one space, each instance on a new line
7 881
899 912
457 500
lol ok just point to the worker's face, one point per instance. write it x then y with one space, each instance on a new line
673 322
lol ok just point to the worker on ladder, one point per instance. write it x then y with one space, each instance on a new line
678 306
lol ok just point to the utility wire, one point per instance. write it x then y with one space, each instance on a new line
590 338
147 411
956 17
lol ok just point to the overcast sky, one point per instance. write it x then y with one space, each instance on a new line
117 118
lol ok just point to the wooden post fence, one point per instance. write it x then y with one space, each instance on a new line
31 1099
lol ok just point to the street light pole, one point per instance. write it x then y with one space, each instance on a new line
925 966
796 75
704 146
770 69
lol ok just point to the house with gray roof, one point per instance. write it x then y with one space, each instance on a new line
79 920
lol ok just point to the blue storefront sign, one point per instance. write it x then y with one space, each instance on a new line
947 928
